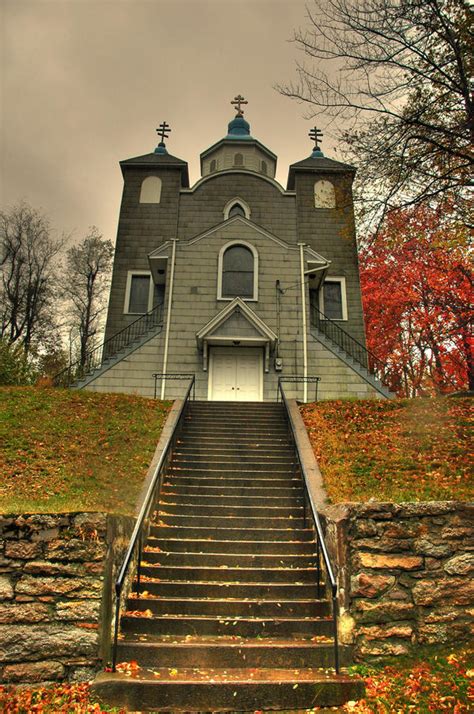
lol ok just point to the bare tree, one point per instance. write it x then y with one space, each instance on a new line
85 286
28 255
394 76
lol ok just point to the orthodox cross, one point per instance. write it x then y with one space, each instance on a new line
163 131
316 135
238 101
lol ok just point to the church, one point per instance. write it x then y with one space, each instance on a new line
235 279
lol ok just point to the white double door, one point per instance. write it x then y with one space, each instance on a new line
236 374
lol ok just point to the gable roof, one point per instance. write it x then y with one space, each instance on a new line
162 161
236 305
320 164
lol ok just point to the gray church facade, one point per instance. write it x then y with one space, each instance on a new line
236 279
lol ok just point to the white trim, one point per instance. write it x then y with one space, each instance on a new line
128 288
342 281
240 202
215 174
254 298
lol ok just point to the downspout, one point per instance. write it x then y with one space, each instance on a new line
168 319
305 336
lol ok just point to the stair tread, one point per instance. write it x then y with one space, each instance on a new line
236 676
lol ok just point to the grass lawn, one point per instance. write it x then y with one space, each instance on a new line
64 450
435 682
394 450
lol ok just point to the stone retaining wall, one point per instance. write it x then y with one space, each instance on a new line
405 574
56 574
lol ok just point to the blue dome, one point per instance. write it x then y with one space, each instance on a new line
238 128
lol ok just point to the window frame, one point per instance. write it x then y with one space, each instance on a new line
220 265
150 203
128 289
243 204
342 282
324 208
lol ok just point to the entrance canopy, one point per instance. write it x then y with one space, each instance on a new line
237 325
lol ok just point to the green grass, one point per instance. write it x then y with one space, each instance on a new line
64 450
400 450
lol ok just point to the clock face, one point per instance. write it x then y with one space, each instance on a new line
324 195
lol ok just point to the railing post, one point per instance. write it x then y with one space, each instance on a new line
139 562
318 567
335 633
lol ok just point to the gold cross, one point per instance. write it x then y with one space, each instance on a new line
316 135
238 101
163 130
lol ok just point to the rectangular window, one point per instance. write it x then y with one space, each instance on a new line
333 299
139 292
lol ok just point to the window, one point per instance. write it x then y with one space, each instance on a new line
333 299
264 168
238 160
150 191
236 210
212 166
236 207
324 195
138 292
237 274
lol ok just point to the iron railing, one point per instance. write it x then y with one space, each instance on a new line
139 533
352 347
294 379
321 548
108 349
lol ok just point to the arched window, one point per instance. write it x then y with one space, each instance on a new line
150 191
324 194
264 168
238 160
238 272
236 210
212 166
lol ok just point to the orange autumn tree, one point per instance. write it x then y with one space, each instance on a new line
416 280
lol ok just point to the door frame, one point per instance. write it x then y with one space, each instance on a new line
218 348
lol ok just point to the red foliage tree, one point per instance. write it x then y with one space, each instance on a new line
417 281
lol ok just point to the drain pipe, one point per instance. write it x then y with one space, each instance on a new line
305 336
168 320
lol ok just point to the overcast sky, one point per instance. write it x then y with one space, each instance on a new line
84 84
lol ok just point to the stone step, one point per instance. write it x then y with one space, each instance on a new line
240 590
213 625
220 510
241 481
236 471
219 463
209 521
257 457
250 453
246 690
242 442
230 419
278 548
230 652
237 533
226 607
265 492
172 496
230 559
230 432
229 574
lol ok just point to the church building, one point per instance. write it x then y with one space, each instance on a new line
235 279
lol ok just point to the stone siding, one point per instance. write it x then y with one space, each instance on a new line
56 574
405 574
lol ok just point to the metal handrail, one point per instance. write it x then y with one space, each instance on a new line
354 348
295 379
137 537
119 341
320 542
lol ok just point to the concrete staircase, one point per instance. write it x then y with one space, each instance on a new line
228 617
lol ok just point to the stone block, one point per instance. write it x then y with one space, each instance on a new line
30 612
381 632
22 549
398 561
47 671
374 648
75 549
370 585
6 588
45 567
423 546
455 591
71 610
31 642
30 585
460 565
383 611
